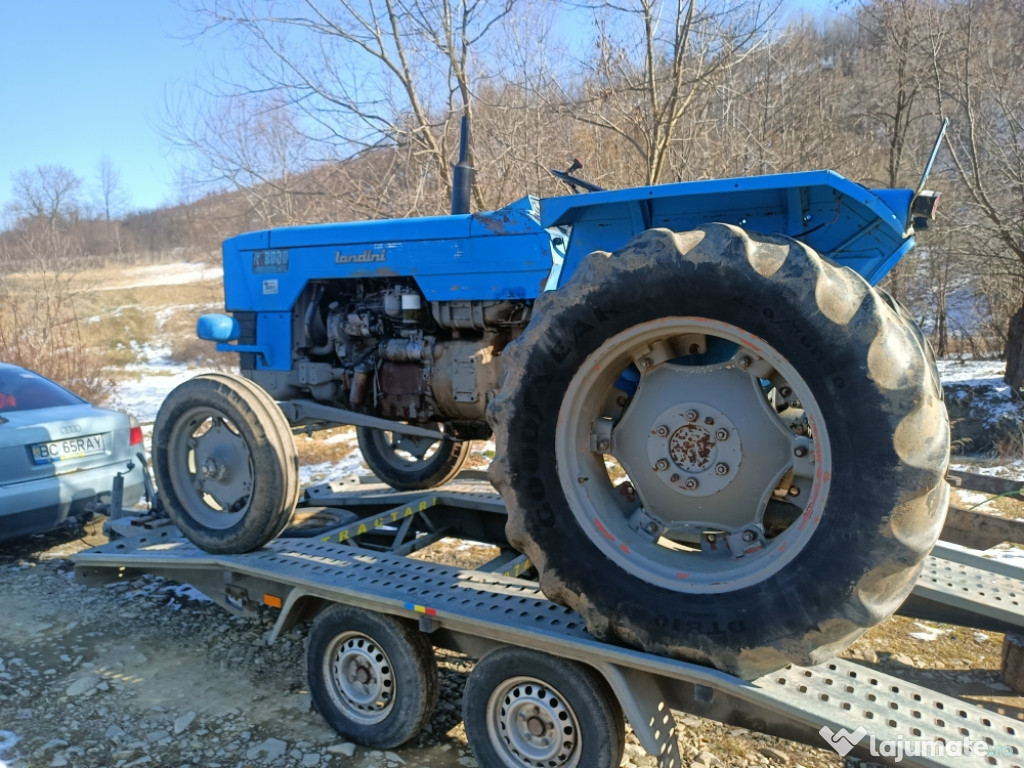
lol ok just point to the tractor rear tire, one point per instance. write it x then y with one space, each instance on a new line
406 464
225 462
719 447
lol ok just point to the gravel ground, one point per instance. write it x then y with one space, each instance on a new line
145 672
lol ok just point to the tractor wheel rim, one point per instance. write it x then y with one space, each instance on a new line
693 454
212 468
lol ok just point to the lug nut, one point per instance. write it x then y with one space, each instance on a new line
785 391
644 363
800 451
662 431
794 491
744 362
652 527
722 434
602 444
709 421
721 468
749 536
691 484
691 415
674 478
660 465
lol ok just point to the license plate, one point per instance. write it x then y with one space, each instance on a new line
70 448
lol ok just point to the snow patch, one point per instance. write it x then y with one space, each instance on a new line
929 635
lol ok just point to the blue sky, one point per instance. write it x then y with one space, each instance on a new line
88 78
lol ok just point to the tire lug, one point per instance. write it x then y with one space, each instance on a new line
691 484
800 451
794 491
662 431
722 434
661 465
785 392
602 444
721 468
652 527
691 415
745 362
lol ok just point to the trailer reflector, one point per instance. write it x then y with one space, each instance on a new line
421 609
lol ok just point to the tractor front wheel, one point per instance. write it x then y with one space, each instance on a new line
408 462
225 462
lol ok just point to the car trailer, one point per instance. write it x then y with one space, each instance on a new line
544 692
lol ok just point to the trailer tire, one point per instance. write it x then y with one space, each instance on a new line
372 677
523 708
750 391
225 462
402 462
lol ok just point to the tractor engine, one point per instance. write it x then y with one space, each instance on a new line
377 346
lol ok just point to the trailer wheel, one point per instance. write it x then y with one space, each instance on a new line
372 677
720 447
409 463
225 463
523 709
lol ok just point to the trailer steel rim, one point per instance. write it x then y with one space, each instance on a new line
360 678
212 468
531 724
692 452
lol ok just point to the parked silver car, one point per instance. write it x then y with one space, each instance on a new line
58 454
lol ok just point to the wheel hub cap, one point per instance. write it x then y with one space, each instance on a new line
694 449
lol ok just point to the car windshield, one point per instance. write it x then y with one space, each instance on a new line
22 390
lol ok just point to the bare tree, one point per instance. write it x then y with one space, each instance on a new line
111 196
39 320
356 77
654 61
47 192
979 77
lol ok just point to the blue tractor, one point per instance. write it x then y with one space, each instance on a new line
715 439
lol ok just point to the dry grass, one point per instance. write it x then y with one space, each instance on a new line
1010 506
81 329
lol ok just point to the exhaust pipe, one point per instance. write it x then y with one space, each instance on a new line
462 172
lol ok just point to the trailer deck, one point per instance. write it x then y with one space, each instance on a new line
364 563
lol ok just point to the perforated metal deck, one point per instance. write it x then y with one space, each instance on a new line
454 603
